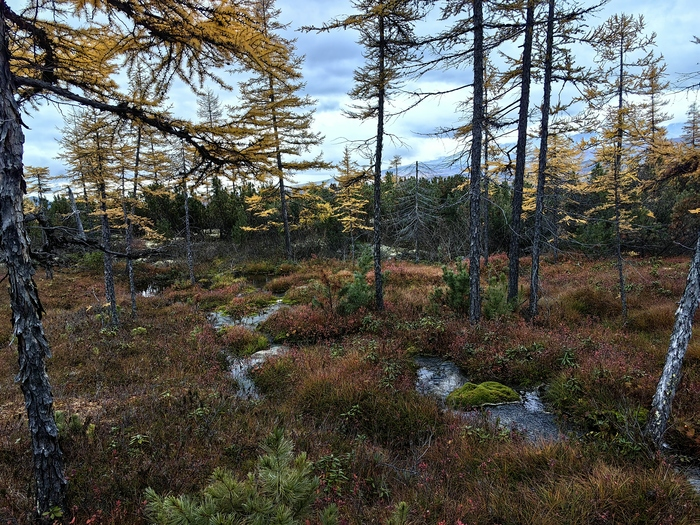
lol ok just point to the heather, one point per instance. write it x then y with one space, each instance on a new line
151 404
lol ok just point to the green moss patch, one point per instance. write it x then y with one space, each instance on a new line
488 393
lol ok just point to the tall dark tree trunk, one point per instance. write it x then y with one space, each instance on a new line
475 167
617 174
542 165
32 345
682 331
284 209
378 284
520 154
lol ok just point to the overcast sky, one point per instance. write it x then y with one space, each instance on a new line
332 57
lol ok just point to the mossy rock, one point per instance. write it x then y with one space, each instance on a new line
489 393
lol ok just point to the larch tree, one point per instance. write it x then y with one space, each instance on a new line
386 30
351 202
72 51
88 147
449 46
691 128
521 153
274 108
623 54
555 61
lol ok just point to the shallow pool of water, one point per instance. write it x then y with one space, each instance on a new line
438 377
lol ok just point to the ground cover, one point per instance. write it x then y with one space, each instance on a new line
152 403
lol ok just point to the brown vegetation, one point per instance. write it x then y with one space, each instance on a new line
151 404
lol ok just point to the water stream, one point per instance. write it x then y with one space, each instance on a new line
241 366
438 377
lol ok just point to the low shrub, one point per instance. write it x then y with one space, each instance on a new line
241 341
456 296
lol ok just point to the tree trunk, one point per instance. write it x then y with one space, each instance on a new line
128 214
76 214
521 152
188 233
617 173
32 345
542 165
284 211
682 331
475 167
378 285
110 294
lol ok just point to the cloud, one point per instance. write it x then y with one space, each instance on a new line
332 57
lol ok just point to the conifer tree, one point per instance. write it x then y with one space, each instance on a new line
387 36
88 147
274 108
351 202
623 55
70 50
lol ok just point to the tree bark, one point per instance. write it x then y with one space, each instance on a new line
108 258
32 345
521 151
542 165
682 331
76 214
378 285
188 233
475 167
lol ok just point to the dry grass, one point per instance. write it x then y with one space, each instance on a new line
152 404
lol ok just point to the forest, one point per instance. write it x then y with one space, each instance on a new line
194 337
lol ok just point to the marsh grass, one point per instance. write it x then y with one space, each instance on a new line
152 404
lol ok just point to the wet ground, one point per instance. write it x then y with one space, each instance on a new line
438 377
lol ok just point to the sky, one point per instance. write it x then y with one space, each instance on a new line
332 57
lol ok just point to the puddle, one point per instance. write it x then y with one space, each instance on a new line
240 366
438 377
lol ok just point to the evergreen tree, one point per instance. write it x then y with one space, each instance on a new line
72 51
274 109
387 36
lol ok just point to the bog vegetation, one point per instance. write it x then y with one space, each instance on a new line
148 411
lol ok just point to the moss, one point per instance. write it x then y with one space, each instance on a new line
472 395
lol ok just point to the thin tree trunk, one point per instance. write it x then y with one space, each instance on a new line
128 213
76 214
108 258
188 233
415 230
521 151
682 331
617 169
475 168
283 192
378 285
542 165
32 345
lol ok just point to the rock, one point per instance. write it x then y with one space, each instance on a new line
488 393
